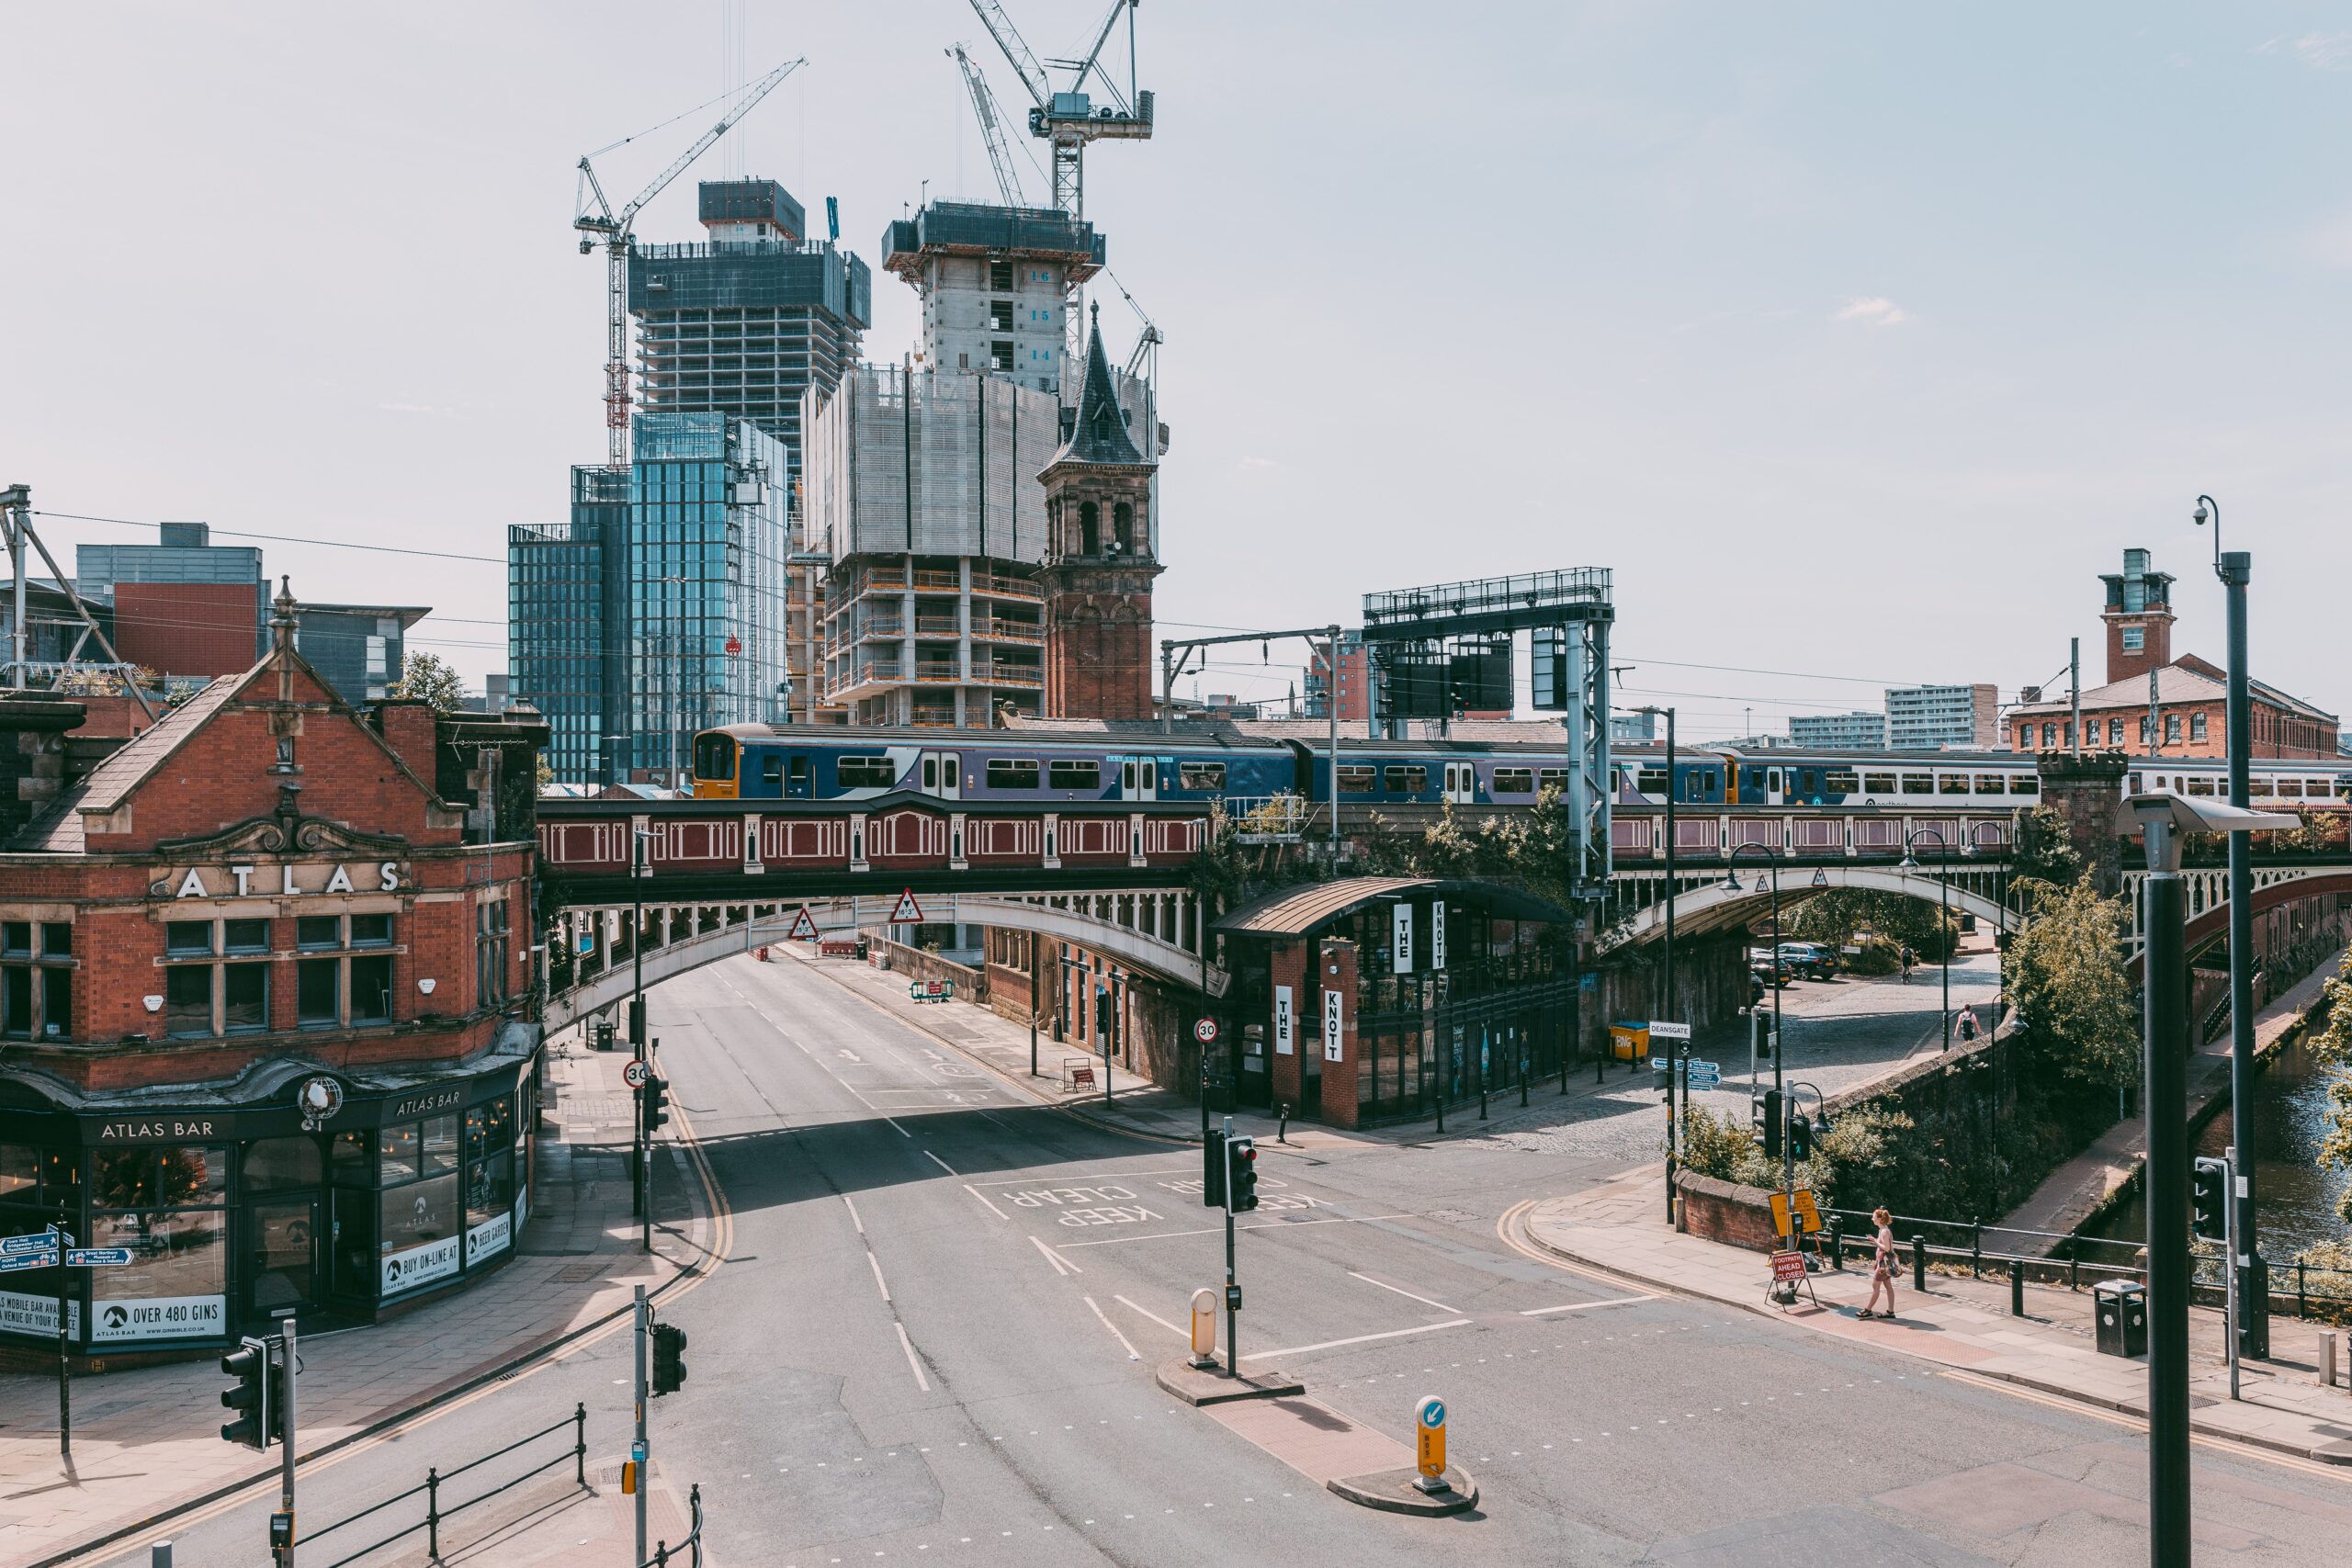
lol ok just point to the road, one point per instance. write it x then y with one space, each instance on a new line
934 1333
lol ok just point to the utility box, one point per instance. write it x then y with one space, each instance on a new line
2122 1310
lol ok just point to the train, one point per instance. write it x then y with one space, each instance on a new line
1245 763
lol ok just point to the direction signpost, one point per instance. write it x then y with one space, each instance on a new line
42 1251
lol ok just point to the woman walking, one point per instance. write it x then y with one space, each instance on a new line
1881 1267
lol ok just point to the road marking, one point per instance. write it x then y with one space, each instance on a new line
1407 1294
1033 1181
1218 1230
853 1215
878 1282
940 1163
1154 1317
1061 1265
983 1197
1579 1306
894 1126
1357 1340
908 1345
1114 1328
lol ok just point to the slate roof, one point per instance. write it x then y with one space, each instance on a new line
2188 679
1100 434
58 830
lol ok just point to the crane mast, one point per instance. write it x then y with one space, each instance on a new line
617 234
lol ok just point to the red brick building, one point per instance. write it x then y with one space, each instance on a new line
1099 561
264 982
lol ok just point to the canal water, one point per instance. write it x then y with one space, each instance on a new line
2297 1197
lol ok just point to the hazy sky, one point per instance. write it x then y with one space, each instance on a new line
1858 339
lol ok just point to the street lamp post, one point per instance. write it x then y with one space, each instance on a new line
2235 569
1943 882
1672 1116
1732 885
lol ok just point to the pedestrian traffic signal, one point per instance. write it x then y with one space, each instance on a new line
1800 1137
1102 1014
249 1364
1213 1168
2210 1193
1242 1155
654 1101
1773 1122
669 1357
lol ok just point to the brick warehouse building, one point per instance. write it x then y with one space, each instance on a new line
262 1006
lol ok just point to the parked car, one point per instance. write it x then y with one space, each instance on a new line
1810 959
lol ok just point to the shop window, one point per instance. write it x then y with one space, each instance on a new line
278 1164
351 1160
245 996
440 1144
188 999
403 1155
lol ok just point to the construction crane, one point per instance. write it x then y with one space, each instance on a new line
991 118
1068 118
600 220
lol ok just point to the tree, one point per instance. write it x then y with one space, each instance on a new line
2046 851
2065 977
425 677
1835 916
2331 1044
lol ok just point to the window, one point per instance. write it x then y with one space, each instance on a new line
2172 730
1514 781
1878 783
37 983
799 775
372 931
371 991
2025 783
865 773
1840 781
1951 783
1650 781
1357 778
1000 274
771 772
2135 638
1001 315
318 930
1402 779
180 937
16 938
245 996
244 936
2143 729
2196 727
1553 778
1200 775
1918 784
188 999
491 953
318 993
1012 773
1001 353
163 1204
1070 773
2201 786
2115 731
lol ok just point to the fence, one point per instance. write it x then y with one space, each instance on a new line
663 1554
434 1479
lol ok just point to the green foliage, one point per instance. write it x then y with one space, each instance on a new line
1836 916
2331 1041
427 677
2045 852
1874 955
1729 1151
2064 975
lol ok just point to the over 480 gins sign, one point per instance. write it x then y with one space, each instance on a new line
285 880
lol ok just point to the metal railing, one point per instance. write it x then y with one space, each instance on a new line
1266 818
435 1478
663 1554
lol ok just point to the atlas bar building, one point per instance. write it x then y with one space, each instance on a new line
264 973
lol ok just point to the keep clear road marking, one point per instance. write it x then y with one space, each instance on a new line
1216 1230
908 1345
983 1197
878 1284
1580 1306
1358 1339
1062 1266
1407 1294
1154 1317
1114 1328
940 1163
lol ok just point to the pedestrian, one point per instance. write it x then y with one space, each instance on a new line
1909 958
1967 1025
1882 1266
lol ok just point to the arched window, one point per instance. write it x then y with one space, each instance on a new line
1089 529
1123 522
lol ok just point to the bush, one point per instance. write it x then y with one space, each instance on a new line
1874 955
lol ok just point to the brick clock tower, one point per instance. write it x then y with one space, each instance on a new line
1099 559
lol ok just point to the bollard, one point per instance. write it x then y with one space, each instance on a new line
1429 1456
2074 1263
160 1555
1282 1122
1920 1264
1976 1249
1204 1329
2302 1305
2017 1287
2327 1358
1837 1242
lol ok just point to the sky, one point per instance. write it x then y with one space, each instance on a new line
1857 339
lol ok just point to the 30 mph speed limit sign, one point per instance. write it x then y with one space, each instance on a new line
1205 1032
635 1075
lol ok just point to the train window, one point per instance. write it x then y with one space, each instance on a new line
1557 778
799 776
1403 779
1651 781
1012 773
2287 789
1840 781
1074 774
771 771
1990 784
865 773
1918 784
2025 783
1878 783
714 757
1357 778
1514 781
2201 786
1200 775
1951 783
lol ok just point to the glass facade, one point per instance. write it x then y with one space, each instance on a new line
659 608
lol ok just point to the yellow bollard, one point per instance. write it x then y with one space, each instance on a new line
1429 1423
1204 1327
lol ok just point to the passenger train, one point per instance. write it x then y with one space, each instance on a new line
757 762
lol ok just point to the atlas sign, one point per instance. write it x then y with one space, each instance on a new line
285 880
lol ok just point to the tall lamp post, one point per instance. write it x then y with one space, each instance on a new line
1732 885
1910 863
2235 569
1672 1119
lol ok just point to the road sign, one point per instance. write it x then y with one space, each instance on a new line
1787 1267
908 912
1429 1426
804 927
96 1257
1695 1079
16 1260
1808 1212
1669 1031
636 1073
1205 1032
41 1241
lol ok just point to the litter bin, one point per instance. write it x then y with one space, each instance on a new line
2122 1307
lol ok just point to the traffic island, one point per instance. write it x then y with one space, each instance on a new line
1397 1492
1214 1385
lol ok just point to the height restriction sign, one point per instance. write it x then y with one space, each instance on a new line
908 912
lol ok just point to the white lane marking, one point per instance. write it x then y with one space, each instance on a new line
878 1282
853 1215
1217 1230
1407 1294
1154 1317
894 1126
984 1198
1580 1306
1061 1265
940 1163
1357 1340
1065 1178
1114 1328
908 1345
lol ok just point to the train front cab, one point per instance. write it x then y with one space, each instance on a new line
716 756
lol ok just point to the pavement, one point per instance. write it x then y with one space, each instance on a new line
146 1440
1962 1324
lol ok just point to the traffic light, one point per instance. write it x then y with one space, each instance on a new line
1242 1153
1773 1122
1213 1168
1102 1014
654 1102
669 1357
2209 1200
249 1364
1800 1137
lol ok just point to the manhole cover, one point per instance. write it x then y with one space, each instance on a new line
1453 1216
